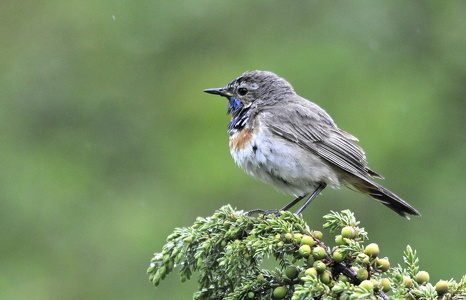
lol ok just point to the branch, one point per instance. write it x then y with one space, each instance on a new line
227 251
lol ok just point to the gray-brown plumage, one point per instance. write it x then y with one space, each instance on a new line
294 145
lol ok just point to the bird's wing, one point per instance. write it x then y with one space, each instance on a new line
312 128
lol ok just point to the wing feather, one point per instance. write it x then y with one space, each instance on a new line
313 129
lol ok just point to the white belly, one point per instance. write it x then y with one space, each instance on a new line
286 167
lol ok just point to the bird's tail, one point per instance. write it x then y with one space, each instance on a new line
384 196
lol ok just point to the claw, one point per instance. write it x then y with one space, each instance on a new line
275 212
256 211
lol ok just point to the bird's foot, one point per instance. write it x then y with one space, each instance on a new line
255 212
275 212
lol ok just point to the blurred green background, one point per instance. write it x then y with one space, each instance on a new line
108 143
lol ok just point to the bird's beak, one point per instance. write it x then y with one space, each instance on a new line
220 92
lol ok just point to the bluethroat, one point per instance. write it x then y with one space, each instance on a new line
292 144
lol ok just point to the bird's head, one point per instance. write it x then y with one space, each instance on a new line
257 86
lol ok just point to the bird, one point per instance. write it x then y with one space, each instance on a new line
292 144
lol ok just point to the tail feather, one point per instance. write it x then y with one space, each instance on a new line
384 196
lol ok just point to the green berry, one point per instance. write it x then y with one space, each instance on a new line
372 250
304 251
319 266
308 240
279 292
260 277
422 277
338 256
362 259
383 264
362 274
251 295
310 260
343 278
376 284
317 234
367 284
288 236
291 272
319 253
326 277
386 285
348 232
298 237
441 287
310 272
339 240
407 281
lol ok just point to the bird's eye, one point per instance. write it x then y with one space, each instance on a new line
242 91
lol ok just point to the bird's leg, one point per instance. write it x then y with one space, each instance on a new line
275 211
319 189
292 203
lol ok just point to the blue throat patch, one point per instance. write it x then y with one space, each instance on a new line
234 105
239 114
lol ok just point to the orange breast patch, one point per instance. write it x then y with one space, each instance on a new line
241 139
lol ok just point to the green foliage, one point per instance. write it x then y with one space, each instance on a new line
108 141
228 249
